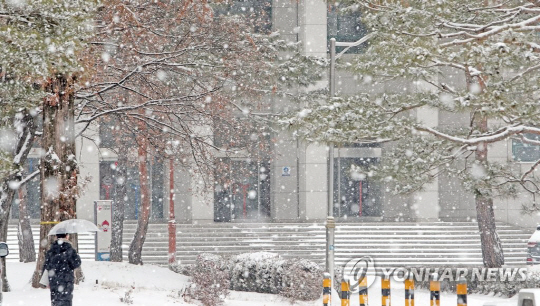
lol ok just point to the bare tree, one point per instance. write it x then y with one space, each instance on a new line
169 71
120 196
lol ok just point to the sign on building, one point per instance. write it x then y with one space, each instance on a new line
286 171
103 220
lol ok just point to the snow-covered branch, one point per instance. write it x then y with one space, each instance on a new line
492 31
504 133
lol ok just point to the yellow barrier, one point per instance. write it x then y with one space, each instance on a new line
434 288
345 293
461 290
409 292
435 291
327 290
363 293
385 286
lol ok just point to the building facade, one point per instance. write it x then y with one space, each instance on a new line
291 185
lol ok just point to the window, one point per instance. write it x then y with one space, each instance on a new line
524 152
345 26
355 194
242 190
107 132
33 193
361 145
230 134
158 175
243 135
108 178
256 12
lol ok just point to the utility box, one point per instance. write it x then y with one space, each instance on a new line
529 297
103 220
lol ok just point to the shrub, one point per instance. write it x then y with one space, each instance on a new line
261 272
127 299
302 280
181 269
210 280
256 272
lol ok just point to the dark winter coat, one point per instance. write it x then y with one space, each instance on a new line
60 261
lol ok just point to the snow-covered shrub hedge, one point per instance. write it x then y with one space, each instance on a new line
302 280
210 280
264 272
261 272
256 272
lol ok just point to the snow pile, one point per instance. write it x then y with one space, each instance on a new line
124 275
106 283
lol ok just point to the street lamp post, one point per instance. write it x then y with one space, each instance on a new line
330 221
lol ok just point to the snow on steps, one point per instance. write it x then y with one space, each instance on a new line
390 244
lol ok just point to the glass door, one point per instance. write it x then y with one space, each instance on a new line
242 191
355 195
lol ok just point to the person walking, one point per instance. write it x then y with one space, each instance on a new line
60 262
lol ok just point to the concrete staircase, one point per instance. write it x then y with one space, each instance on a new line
389 244
86 243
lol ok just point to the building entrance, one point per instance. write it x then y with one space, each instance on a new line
355 194
242 190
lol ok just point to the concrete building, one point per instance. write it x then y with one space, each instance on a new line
292 185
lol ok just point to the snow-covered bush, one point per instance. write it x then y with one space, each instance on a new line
210 280
302 280
127 298
181 269
264 272
256 272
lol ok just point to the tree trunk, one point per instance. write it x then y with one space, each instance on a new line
5 283
119 205
27 252
492 251
59 166
25 138
135 249
4 214
172 218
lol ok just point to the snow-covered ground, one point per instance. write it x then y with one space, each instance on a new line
153 285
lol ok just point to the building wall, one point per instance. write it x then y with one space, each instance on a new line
302 195
89 157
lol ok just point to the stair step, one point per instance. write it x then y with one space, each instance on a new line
390 244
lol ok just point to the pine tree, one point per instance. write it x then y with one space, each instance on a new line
473 60
42 40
